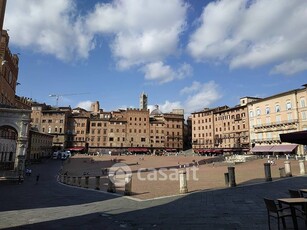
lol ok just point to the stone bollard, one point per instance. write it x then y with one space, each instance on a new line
226 176
74 180
302 167
86 182
128 185
267 172
282 172
288 169
183 182
232 176
68 180
111 185
97 183
65 179
61 178
79 181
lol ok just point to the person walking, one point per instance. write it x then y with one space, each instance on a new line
37 178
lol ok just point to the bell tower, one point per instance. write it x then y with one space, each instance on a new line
2 13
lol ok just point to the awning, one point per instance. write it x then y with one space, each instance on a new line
299 137
75 149
262 148
283 148
137 149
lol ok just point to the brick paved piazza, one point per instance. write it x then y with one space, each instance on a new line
52 205
152 184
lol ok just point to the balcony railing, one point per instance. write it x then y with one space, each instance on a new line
266 140
275 124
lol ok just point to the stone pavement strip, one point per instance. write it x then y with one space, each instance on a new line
50 205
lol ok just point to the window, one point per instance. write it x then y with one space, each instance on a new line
258 112
289 116
304 115
277 108
288 105
303 102
278 119
251 114
267 110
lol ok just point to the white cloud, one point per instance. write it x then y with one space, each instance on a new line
201 95
145 31
251 34
291 67
167 106
50 27
85 105
161 73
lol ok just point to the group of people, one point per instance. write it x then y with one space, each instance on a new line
28 172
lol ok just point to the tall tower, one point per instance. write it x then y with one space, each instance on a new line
2 13
143 101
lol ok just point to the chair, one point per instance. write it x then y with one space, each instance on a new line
276 211
294 193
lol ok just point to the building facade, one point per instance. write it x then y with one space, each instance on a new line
281 113
40 145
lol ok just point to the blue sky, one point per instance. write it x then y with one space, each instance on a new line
184 54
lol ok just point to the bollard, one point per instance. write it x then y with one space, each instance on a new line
79 181
183 182
86 182
288 169
282 172
61 178
65 179
267 172
232 176
74 180
68 180
302 166
226 175
97 183
111 185
128 185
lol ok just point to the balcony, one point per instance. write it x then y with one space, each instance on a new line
276 126
266 140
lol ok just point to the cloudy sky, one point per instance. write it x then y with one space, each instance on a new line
187 54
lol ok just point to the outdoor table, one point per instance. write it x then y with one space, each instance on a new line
304 190
292 202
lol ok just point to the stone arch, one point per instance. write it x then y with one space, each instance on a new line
19 121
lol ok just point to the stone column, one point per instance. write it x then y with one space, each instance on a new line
183 182
79 181
282 172
288 168
111 185
267 172
86 182
128 185
20 165
226 176
302 166
232 176
97 183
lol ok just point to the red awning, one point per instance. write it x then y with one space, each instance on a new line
137 149
262 148
75 149
283 148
